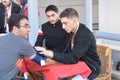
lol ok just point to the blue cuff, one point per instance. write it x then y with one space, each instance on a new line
38 58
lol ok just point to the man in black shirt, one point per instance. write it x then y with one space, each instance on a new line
55 36
83 44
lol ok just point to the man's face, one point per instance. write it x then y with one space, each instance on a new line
52 16
68 24
6 3
24 29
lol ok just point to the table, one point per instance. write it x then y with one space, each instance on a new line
53 72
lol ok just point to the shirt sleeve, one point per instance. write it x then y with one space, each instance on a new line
27 50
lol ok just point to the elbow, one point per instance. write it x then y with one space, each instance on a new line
74 61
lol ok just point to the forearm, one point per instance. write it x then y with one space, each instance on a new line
32 57
50 61
65 58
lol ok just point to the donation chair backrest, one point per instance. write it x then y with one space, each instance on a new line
104 53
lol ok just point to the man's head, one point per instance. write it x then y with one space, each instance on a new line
18 25
52 14
6 3
70 19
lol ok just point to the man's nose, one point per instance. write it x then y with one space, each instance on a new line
51 18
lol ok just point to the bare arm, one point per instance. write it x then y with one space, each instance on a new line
50 61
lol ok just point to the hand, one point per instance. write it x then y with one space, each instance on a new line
47 53
38 48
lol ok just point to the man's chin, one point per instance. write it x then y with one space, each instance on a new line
67 31
26 37
52 23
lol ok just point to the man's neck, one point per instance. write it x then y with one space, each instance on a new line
76 28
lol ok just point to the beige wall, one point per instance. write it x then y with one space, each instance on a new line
79 5
109 16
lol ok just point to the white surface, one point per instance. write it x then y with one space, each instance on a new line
78 77
109 16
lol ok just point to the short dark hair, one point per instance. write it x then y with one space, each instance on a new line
14 20
51 8
69 13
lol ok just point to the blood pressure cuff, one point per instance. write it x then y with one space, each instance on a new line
39 57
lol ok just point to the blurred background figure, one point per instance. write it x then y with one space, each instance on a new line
24 9
7 7
18 2
24 5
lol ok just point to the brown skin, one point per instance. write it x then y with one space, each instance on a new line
52 16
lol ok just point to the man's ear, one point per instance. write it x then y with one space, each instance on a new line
74 20
15 28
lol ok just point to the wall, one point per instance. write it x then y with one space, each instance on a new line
79 5
109 16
